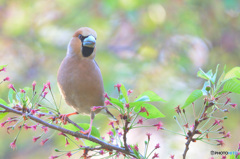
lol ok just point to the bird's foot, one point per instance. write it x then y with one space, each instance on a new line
87 132
63 117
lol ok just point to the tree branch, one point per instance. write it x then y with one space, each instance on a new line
103 144
193 132
125 135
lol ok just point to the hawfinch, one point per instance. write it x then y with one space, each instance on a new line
79 77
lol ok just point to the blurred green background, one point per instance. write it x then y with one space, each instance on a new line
156 45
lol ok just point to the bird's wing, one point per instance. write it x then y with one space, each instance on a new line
96 63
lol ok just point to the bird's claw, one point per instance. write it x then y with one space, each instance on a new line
87 132
63 118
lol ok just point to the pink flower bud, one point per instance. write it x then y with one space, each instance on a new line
22 91
10 86
148 135
112 124
44 94
44 87
107 102
67 143
36 138
106 96
34 127
129 92
233 105
118 87
49 85
13 144
136 147
3 69
53 157
127 105
43 142
159 125
6 79
101 152
155 155
69 154
140 121
157 146
45 129
110 133
143 109
34 85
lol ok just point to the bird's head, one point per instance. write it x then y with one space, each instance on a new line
83 43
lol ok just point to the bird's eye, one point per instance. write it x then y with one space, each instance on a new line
80 36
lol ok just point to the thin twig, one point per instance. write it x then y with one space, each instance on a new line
75 124
104 144
125 135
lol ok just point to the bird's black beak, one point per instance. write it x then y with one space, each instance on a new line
89 41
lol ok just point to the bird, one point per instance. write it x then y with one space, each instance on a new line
79 77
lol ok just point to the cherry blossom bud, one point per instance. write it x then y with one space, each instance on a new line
118 87
13 144
43 142
34 85
49 85
148 135
129 92
36 138
6 79
3 69
44 94
157 146
106 96
10 86
22 91
140 121
69 154
45 86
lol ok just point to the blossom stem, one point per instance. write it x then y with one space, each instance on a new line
209 143
54 100
151 153
173 132
180 126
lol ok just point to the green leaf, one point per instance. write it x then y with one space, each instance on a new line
152 110
3 102
153 97
116 102
233 73
204 75
10 95
124 92
143 99
215 75
232 85
27 89
232 156
136 153
2 115
222 76
1 67
193 96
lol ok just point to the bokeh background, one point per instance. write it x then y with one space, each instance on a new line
156 45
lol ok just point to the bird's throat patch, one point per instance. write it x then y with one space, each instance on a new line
87 51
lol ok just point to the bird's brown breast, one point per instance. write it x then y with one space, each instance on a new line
80 82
